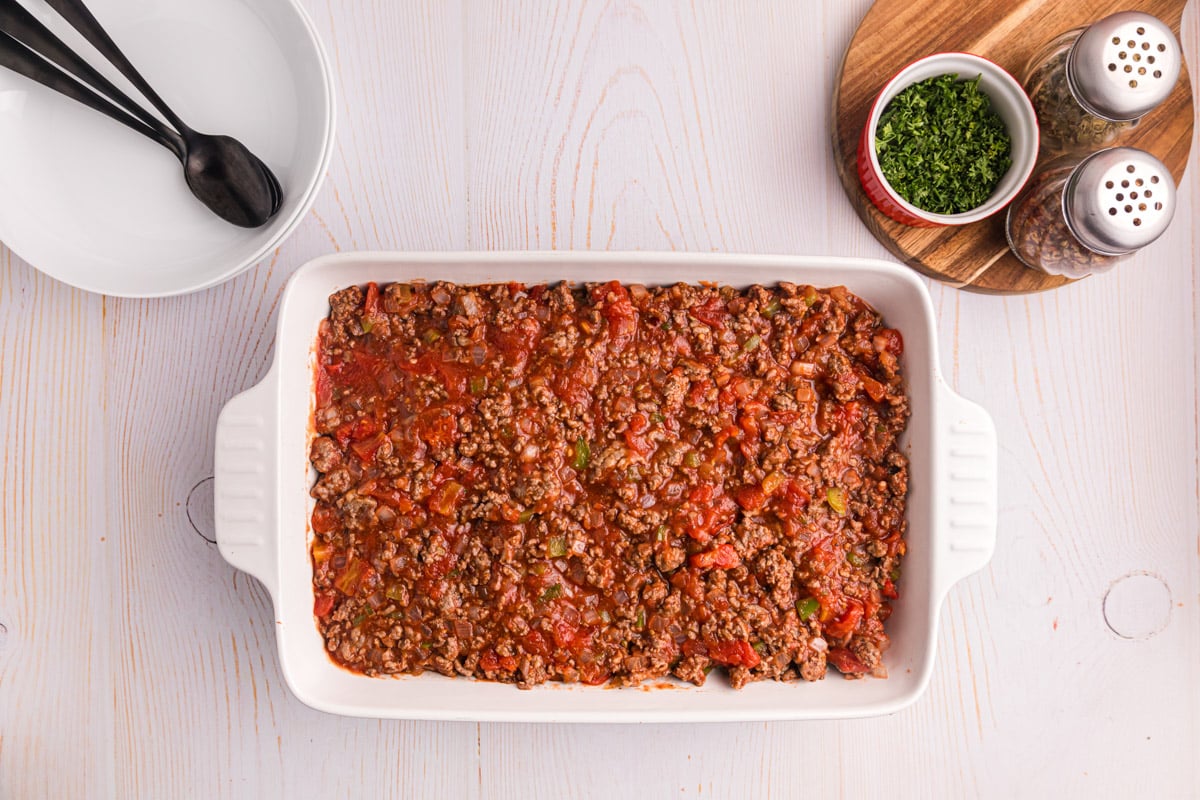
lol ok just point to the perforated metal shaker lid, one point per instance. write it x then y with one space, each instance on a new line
1124 65
1119 200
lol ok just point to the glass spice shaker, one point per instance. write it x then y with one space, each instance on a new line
1080 215
1089 85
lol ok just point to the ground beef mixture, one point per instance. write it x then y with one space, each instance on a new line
606 482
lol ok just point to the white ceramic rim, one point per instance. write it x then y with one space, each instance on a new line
262 504
1022 163
309 192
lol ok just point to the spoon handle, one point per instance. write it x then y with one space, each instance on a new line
22 60
18 23
82 20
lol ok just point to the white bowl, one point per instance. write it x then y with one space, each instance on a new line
263 504
1008 100
95 205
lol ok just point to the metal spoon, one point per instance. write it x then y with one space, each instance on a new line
219 167
229 179
20 58
27 30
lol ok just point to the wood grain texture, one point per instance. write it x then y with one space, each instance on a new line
134 663
896 32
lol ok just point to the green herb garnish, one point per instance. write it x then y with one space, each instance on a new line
941 146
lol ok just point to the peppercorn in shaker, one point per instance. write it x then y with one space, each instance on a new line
1081 215
1090 85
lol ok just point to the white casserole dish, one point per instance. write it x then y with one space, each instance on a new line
263 478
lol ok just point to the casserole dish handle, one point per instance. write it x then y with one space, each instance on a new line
967 507
244 482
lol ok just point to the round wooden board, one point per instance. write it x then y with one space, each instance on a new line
896 32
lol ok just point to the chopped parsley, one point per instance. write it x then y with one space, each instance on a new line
941 146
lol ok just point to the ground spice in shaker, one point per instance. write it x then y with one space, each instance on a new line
1090 85
1081 215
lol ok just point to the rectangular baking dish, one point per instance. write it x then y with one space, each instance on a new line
263 506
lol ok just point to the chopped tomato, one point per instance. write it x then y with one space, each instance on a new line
703 523
794 500
847 622
621 316
723 556
371 302
445 499
575 384
439 568
736 653
725 434
638 425
323 604
638 444
367 448
876 390
324 518
358 430
564 633
491 661
751 498
437 428
711 312
516 343
749 424
324 390
391 496
355 372
846 415
889 340
846 662
535 643
889 590
700 389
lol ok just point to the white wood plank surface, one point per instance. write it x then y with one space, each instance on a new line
135 663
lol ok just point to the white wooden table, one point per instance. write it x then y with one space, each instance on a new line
135 663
